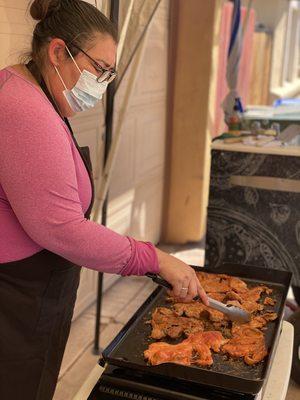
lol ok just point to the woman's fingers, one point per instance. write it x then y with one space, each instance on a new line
187 289
192 292
201 293
184 287
177 285
181 276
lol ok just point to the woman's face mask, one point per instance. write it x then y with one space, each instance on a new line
87 91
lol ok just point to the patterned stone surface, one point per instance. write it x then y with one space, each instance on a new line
253 226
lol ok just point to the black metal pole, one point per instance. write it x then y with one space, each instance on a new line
114 16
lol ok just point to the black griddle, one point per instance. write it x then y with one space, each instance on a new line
126 350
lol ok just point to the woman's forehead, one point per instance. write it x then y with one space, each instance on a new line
103 49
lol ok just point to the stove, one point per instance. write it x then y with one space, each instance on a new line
118 383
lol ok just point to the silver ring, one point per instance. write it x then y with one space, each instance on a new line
184 288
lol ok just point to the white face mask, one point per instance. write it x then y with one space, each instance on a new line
87 91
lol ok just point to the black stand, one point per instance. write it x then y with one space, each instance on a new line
114 16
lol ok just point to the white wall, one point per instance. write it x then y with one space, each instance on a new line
268 12
273 14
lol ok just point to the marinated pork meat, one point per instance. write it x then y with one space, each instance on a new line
166 323
194 350
237 284
269 301
220 283
161 352
248 343
217 296
203 324
252 294
199 310
258 321
250 306
269 316
213 283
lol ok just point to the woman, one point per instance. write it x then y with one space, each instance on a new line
46 195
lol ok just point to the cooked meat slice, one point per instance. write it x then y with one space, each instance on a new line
174 331
203 356
220 325
193 310
257 322
203 343
160 353
270 316
256 355
216 316
253 294
246 342
267 290
199 310
195 327
196 349
237 284
220 283
213 339
249 299
217 296
250 306
166 323
165 311
243 330
157 333
269 301
214 283
233 296
159 322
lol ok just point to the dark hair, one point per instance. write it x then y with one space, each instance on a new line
74 21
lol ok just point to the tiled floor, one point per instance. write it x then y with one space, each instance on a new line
119 304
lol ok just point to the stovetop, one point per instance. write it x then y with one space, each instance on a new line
118 383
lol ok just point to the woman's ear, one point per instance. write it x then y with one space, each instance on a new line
57 51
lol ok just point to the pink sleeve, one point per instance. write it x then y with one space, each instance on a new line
38 176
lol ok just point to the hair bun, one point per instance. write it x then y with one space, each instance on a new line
41 9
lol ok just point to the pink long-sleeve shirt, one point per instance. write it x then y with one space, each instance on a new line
45 189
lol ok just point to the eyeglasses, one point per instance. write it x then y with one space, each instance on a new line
106 75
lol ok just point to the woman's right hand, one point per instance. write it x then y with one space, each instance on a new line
182 277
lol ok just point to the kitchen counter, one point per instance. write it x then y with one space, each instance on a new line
276 150
277 383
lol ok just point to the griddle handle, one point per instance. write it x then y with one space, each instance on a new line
102 362
159 280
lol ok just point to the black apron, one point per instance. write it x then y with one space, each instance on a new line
37 298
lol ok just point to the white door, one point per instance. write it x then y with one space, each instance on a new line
136 191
